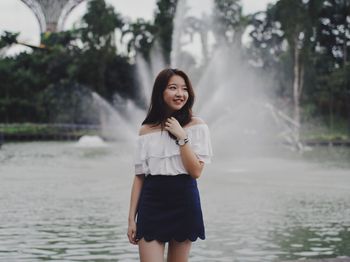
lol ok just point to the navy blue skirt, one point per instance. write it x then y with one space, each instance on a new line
169 208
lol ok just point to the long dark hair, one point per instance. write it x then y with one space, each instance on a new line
157 110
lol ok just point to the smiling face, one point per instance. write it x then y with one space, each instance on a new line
175 94
172 96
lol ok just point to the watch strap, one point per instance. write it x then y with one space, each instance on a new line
181 142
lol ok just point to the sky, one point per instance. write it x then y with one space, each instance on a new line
16 16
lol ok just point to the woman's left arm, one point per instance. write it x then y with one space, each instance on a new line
189 159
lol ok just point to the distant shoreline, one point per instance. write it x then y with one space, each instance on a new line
71 137
28 132
326 142
45 132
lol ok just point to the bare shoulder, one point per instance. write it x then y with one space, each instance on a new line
146 128
195 120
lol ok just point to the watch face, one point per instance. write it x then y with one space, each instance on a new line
181 142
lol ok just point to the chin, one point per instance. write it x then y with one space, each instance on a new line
177 108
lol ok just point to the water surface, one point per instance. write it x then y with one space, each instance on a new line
60 202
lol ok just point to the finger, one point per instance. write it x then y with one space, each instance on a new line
130 239
130 236
133 235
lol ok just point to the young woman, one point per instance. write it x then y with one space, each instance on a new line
172 148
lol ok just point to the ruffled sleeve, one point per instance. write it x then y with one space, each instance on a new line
139 157
201 143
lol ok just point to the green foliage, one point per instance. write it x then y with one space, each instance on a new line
332 62
8 38
54 83
97 36
59 39
67 102
230 22
164 16
100 21
267 38
141 37
120 78
52 131
334 30
314 34
17 89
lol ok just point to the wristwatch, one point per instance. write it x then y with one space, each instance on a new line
181 142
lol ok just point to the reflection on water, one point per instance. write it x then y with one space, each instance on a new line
320 240
337 157
60 202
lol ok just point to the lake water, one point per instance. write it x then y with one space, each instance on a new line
61 202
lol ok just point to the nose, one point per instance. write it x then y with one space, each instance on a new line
179 92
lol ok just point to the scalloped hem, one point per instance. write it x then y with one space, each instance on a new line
178 239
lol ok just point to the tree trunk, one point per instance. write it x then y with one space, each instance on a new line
301 78
237 38
204 41
347 89
296 87
331 114
345 51
348 109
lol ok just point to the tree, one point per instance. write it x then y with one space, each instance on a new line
334 30
334 41
164 23
141 37
298 19
100 22
8 38
97 35
64 70
267 39
268 50
230 23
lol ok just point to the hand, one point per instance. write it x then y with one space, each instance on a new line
174 127
132 233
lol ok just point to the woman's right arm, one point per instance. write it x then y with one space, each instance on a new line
135 195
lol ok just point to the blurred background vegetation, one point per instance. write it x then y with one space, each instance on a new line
303 45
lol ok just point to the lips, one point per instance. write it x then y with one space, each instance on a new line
178 102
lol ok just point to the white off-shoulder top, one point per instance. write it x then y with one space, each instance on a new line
157 153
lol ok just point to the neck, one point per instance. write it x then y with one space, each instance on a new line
168 112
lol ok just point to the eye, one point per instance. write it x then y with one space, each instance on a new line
172 87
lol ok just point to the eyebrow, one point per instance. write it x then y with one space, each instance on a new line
175 84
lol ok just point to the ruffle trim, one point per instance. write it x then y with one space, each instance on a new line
175 153
176 238
150 146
